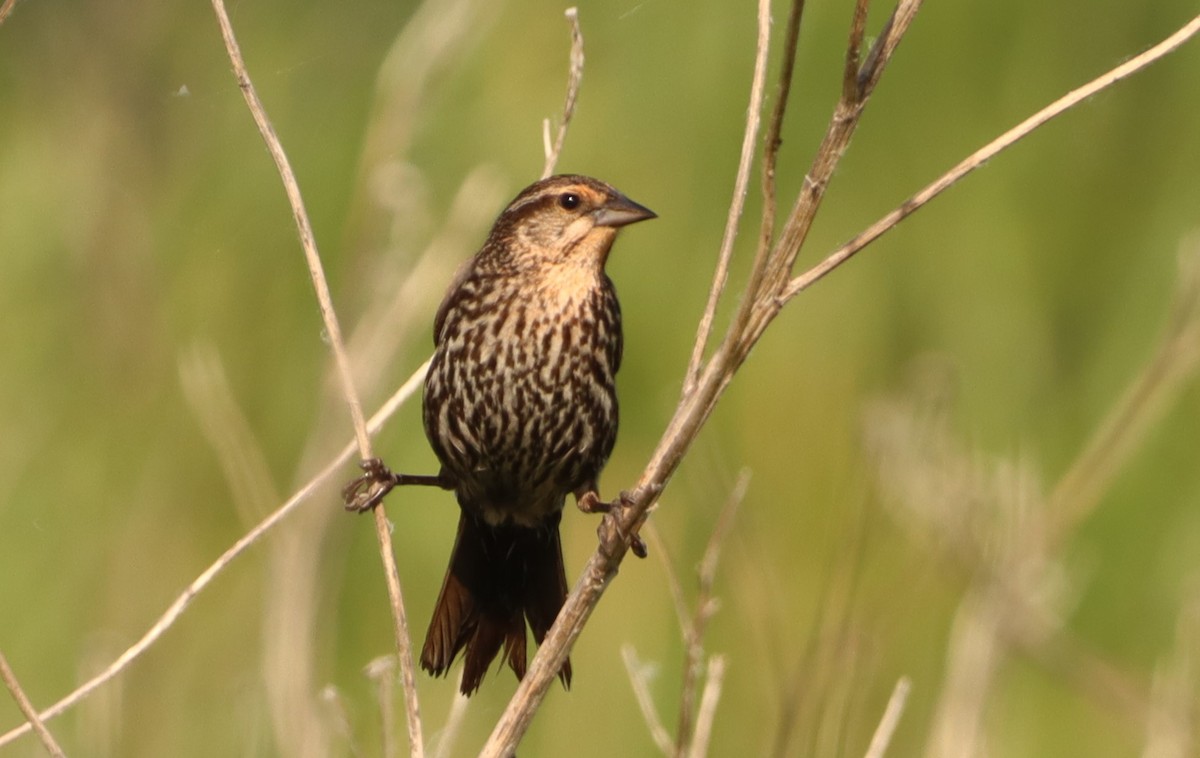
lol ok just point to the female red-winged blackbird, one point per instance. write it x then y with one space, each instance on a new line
521 409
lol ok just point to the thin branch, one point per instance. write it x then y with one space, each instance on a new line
851 92
740 185
708 706
986 153
773 140
31 715
303 225
836 141
333 330
891 718
641 693
574 79
181 603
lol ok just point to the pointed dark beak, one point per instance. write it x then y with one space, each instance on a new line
621 211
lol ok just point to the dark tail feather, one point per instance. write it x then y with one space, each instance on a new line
498 577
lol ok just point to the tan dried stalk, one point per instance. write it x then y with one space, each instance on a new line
31 715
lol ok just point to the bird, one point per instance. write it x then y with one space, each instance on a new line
520 408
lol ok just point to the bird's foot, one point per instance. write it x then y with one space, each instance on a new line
590 502
368 490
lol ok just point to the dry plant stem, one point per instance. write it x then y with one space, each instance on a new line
690 415
574 80
740 186
708 707
381 671
641 693
332 328
891 718
773 140
454 721
6 9
1079 491
27 709
857 85
176 609
658 548
706 606
986 153
303 226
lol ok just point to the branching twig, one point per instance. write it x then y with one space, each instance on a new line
986 153
31 715
176 609
333 330
574 79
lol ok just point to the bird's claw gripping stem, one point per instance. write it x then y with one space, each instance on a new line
368 490
590 502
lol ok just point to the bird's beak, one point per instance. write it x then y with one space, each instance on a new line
621 211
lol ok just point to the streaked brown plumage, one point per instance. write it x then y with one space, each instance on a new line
521 409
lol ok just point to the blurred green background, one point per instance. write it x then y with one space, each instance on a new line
164 374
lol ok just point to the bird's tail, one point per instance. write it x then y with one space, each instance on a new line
499 576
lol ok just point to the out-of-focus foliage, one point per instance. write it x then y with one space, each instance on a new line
142 225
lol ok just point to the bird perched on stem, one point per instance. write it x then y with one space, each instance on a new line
520 408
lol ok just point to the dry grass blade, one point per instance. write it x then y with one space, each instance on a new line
740 185
27 709
1170 730
641 692
454 721
708 707
890 719
574 80
7 8
382 671
1174 361
658 548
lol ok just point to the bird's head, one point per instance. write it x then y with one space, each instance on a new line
565 219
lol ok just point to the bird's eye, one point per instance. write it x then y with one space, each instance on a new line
569 200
